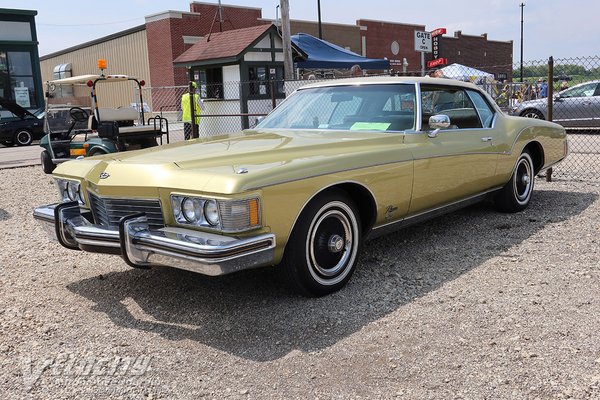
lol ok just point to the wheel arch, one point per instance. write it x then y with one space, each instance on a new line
537 154
363 198
529 109
98 149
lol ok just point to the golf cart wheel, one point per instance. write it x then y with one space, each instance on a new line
47 164
23 137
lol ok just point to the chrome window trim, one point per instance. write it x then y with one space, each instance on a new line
418 111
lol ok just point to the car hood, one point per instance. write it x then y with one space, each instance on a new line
15 108
230 164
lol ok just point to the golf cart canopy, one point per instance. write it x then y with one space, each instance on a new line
84 79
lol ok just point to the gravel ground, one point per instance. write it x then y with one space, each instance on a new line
472 305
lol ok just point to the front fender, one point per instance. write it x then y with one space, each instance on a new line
44 142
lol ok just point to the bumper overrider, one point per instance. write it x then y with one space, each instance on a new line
141 247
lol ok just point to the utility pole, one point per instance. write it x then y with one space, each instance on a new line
287 41
220 17
522 6
320 28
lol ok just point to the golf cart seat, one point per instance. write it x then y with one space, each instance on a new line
121 118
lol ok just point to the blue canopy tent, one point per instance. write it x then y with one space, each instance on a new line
317 53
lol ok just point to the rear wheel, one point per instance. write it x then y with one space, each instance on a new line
323 248
531 113
516 194
47 164
23 137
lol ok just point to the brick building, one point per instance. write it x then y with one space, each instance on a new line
391 40
169 34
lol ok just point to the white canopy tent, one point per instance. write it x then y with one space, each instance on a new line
467 74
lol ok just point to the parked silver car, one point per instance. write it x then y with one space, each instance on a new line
576 107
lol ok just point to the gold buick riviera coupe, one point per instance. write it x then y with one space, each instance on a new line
334 164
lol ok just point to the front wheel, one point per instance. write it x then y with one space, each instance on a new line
532 113
322 250
23 137
516 194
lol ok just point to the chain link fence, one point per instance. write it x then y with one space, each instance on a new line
566 91
573 84
222 110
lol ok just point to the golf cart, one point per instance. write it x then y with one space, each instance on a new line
76 125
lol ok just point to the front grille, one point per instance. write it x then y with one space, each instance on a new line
109 211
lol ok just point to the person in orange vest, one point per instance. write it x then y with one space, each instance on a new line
186 116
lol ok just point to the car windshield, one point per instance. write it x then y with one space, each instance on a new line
370 107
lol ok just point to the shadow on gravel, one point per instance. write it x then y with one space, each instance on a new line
4 215
251 315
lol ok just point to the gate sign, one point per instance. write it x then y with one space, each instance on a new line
423 41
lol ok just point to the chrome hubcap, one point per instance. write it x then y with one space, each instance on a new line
523 180
336 243
331 243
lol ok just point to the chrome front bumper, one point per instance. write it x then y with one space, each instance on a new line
202 252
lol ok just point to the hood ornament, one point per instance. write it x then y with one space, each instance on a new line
104 175
241 171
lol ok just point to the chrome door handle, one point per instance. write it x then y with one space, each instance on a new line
486 139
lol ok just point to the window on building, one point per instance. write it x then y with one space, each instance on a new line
16 78
211 82
260 78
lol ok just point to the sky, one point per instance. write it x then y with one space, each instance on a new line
558 28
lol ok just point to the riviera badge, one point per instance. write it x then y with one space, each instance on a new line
104 175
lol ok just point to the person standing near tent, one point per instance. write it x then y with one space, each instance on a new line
186 116
544 89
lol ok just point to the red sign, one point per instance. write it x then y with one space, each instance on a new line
438 31
437 62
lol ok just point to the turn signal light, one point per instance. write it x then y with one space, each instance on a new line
253 211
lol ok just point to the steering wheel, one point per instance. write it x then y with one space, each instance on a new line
78 114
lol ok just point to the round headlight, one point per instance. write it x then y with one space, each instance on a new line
73 191
191 209
211 212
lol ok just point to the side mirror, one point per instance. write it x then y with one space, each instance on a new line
438 122
258 120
